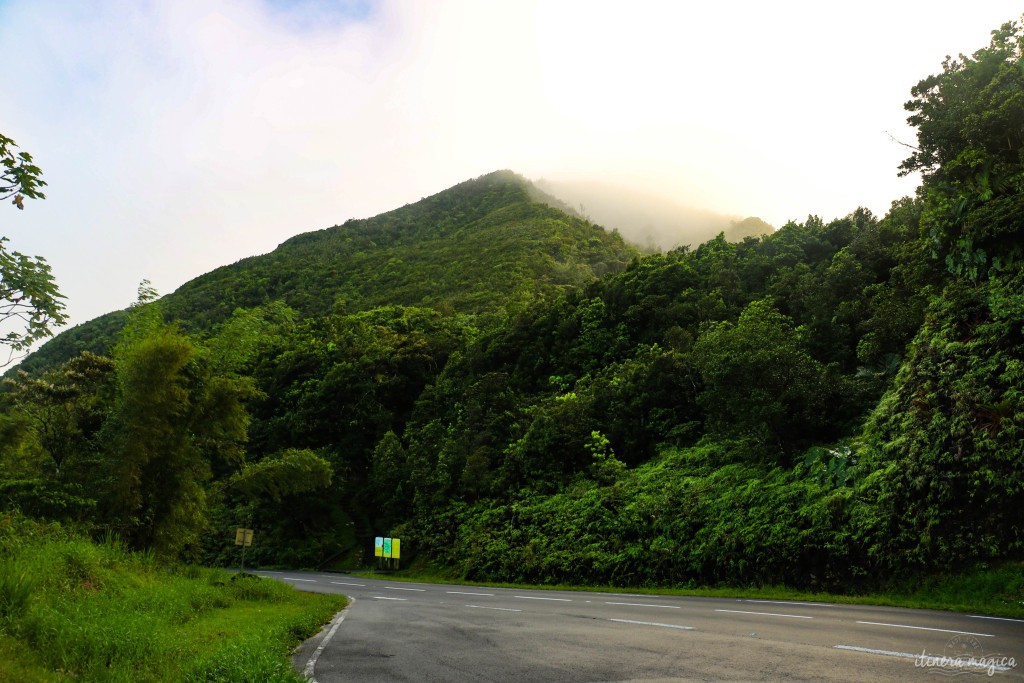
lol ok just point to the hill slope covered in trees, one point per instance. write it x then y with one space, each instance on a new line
469 249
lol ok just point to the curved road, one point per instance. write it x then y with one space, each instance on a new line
397 631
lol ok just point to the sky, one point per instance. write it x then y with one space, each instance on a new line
181 135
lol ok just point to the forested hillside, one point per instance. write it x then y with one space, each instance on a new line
469 249
518 396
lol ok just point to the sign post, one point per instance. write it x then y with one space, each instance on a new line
243 537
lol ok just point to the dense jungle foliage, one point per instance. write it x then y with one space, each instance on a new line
519 396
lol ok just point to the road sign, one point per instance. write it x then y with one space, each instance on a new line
396 548
243 537
387 547
378 546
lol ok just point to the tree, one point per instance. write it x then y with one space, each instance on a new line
172 415
970 131
759 380
30 302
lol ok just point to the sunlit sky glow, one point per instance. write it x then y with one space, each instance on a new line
181 135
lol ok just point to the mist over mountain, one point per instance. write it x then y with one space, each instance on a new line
648 220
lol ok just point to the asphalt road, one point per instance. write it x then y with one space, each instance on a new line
396 631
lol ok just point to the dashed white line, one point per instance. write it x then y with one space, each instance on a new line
640 604
531 597
765 614
291 578
978 616
870 651
342 583
955 662
489 595
381 597
925 628
790 602
396 588
654 623
500 609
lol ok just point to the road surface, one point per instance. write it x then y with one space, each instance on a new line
397 631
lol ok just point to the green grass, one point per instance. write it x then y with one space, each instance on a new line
74 610
995 591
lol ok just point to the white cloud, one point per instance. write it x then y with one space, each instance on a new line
179 135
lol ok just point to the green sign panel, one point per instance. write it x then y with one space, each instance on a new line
387 547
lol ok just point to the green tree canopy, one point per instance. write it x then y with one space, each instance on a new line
970 131
30 303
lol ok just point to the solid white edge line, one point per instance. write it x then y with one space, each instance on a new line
639 604
292 578
653 623
342 583
531 597
489 595
307 671
500 609
907 655
790 602
765 614
925 628
978 616
383 597
396 588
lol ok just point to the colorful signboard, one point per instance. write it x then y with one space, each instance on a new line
387 547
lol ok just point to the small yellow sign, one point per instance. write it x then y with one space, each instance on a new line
378 546
243 537
396 548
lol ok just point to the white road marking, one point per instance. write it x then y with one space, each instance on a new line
925 628
888 653
978 616
653 623
342 583
291 578
381 597
765 614
500 609
790 602
489 595
640 604
962 661
396 588
308 670
530 597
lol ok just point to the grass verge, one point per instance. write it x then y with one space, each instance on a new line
71 609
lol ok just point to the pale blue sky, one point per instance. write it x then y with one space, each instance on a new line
180 135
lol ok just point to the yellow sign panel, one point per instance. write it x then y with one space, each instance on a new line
378 546
243 537
396 548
